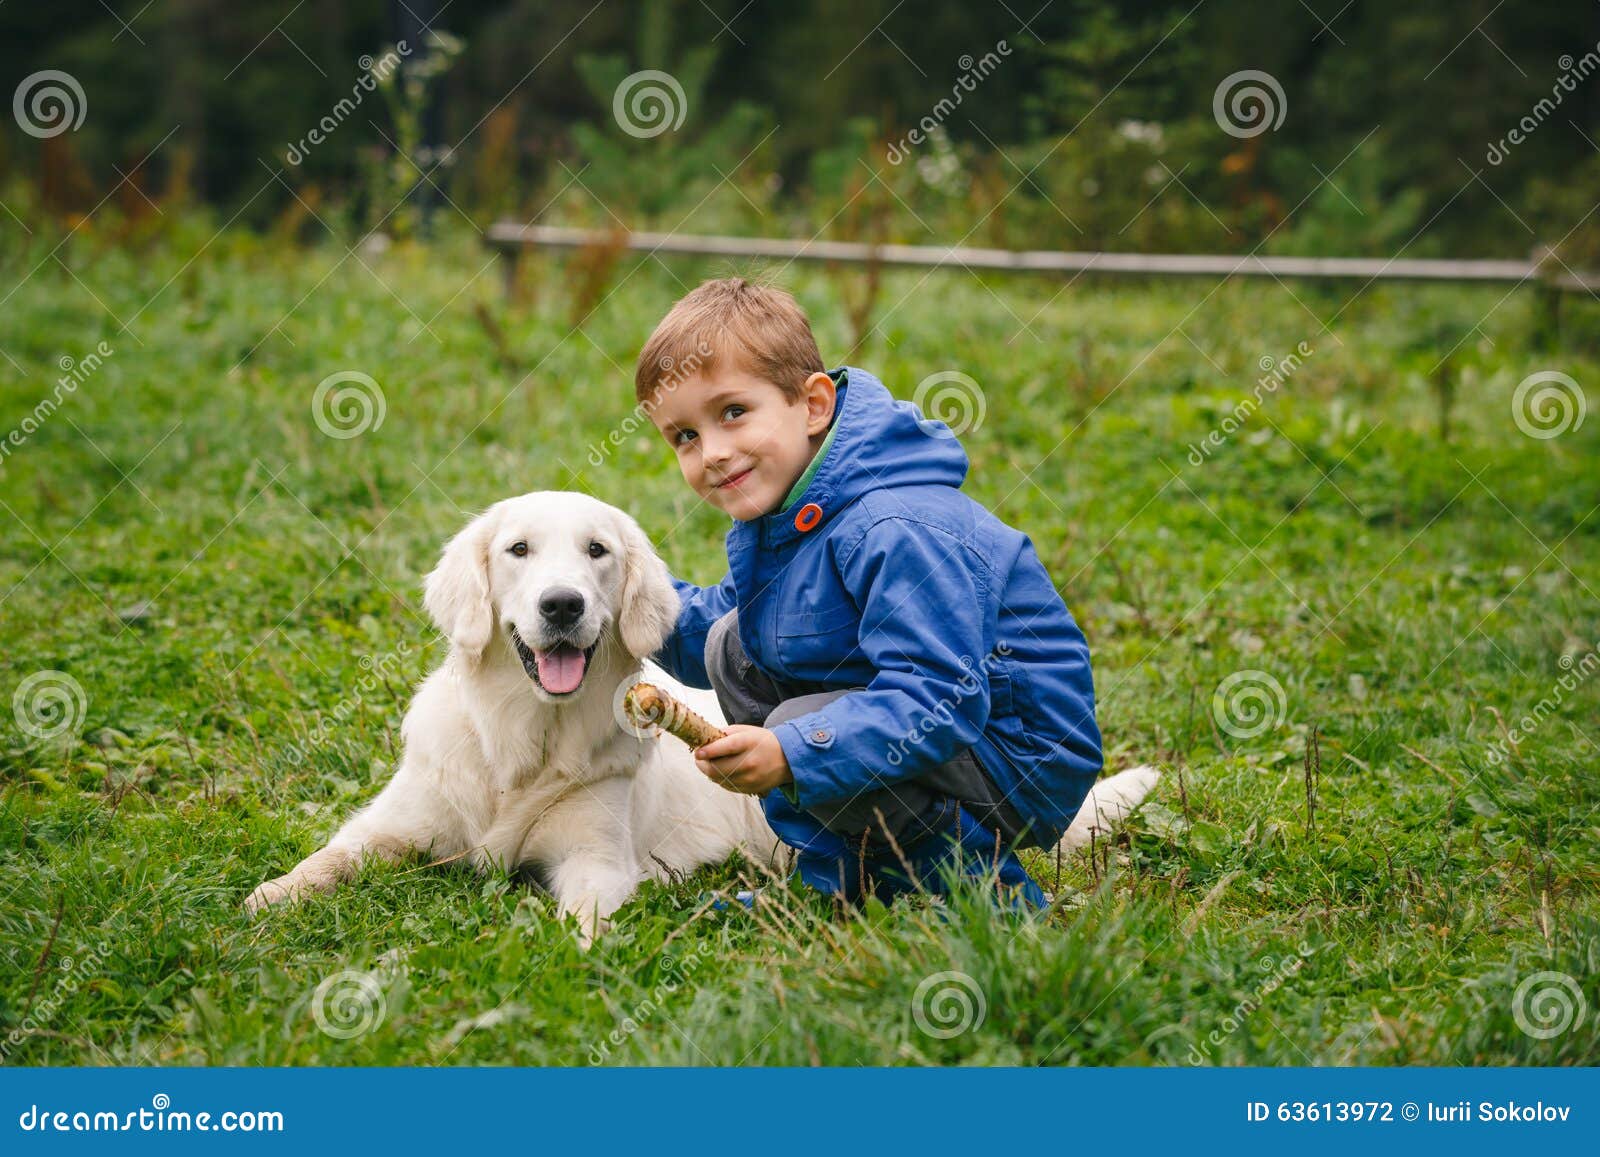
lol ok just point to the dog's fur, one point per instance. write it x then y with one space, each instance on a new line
501 770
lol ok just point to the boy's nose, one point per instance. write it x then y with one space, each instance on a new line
714 450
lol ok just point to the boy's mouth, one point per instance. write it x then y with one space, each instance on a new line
735 479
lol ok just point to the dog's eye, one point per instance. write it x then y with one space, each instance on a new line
520 549
598 550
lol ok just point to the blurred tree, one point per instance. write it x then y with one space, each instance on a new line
661 142
1104 93
1110 99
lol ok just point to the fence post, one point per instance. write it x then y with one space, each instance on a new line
509 269
1547 320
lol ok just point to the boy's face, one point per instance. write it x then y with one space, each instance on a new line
740 443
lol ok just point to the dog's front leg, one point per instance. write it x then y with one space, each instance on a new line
585 844
327 868
322 871
403 819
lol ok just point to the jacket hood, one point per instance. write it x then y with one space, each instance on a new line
879 443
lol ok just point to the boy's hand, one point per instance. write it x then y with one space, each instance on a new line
747 759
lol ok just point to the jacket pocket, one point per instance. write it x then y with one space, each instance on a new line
833 620
1013 716
1001 697
809 639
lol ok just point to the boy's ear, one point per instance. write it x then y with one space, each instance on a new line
456 592
650 606
820 397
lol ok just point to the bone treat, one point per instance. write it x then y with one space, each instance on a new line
648 704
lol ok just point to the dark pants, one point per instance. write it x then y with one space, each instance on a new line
903 812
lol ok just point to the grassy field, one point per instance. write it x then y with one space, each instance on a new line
236 596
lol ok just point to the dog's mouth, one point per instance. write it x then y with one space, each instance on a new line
559 669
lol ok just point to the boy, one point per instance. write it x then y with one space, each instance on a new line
905 685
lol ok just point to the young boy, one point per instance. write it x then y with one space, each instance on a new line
905 685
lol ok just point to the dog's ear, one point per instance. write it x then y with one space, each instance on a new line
649 600
456 592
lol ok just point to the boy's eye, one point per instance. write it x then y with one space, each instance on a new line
683 437
732 412
520 549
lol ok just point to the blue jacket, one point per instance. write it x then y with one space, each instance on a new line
913 591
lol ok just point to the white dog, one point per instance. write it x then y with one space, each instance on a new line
514 751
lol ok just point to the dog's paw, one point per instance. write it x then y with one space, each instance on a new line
589 928
270 892
588 924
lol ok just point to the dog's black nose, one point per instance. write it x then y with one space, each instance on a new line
561 607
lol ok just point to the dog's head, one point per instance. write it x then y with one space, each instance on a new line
552 575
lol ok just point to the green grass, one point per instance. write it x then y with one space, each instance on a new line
1407 594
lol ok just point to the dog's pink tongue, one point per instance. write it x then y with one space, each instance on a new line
561 670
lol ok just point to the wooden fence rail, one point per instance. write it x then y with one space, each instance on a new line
511 239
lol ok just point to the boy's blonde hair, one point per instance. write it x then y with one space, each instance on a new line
761 327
